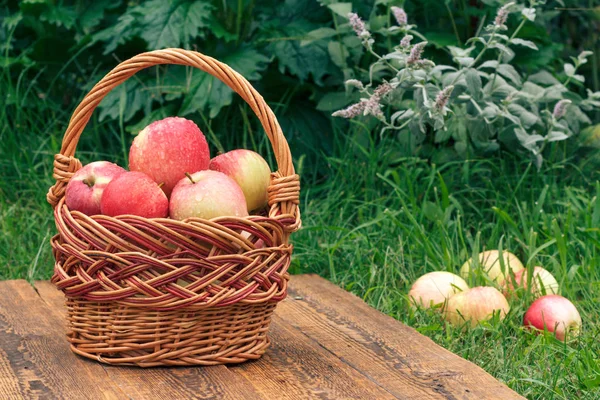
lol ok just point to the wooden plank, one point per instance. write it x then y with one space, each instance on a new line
406 363
296 367
163 383
34 349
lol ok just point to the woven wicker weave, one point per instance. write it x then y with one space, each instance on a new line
152 292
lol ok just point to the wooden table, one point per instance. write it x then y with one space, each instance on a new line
326 344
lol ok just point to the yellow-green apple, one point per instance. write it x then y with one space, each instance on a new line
249 170
543 282
476 305
489 262
554 313
165 150
207 194
435 288
134 193
86 186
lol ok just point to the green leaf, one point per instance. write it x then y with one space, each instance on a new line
220 32
207 92
338 53
121 32
510 73
301 61
318 34
544 78
529 13
160 113
173 23
556 136
342 9
569 69
473 83
60 16
127 99
522 42
93 14
527 118
335 101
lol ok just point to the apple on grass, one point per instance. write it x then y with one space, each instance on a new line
207 194
489 262
249 170
134 193
543 282
166 149
86 186
434 288
476 305
554 313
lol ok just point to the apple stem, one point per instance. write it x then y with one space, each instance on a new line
90 184
189 177
160 185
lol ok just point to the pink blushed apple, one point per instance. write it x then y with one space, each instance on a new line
555 314
435 288
476 305
134 193
207 194
87 185
489 262
543 282
249 170
165 150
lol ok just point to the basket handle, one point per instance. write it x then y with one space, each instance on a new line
284 190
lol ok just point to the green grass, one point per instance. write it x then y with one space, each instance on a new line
374 221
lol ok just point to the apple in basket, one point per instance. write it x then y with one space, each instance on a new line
554 313
207 194
134 193
475 305
249 170
166 149
87 185
434 289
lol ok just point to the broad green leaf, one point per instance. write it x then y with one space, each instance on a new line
123 30
569 69
529 13
318 34
173 23
60 16
335 101
473 83
489 64
510 73
301 61
207 92
556 136
127 99
544 78
163 112
93 14
342 9
338 53
507 53
217 29
522 42
528 119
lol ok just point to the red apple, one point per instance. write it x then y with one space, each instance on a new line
543 282
555 314
165 150
86 186
207 194
134 193
476 305
249 170
489 262
435 288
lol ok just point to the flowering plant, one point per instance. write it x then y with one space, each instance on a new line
476 103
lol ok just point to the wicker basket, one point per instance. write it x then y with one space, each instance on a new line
152 292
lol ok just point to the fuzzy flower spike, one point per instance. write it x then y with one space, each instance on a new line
358 26
400 16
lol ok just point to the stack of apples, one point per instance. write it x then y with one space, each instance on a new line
172 175
462 305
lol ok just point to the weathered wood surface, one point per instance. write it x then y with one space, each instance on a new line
326 344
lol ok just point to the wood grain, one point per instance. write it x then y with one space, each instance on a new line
395 356
163 383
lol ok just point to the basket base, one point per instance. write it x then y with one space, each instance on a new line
116 334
